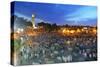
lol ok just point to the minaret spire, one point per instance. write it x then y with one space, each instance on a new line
33 23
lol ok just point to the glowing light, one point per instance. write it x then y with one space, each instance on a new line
78 30
82 29
94 31
68 42
85 28
64 30
21 30
33 15
67 31
72 31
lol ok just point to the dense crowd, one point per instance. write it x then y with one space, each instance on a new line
54 48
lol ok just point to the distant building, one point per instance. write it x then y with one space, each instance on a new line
33 21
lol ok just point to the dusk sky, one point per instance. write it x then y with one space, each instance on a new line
57 13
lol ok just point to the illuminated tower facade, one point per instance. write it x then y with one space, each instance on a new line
33 21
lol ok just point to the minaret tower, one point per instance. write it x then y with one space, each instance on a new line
33 22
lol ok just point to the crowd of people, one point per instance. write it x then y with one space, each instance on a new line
54 48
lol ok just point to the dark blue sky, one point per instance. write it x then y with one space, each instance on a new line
57 13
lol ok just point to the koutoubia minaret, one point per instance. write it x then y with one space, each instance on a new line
33 21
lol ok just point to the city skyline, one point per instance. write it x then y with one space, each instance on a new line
57 13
